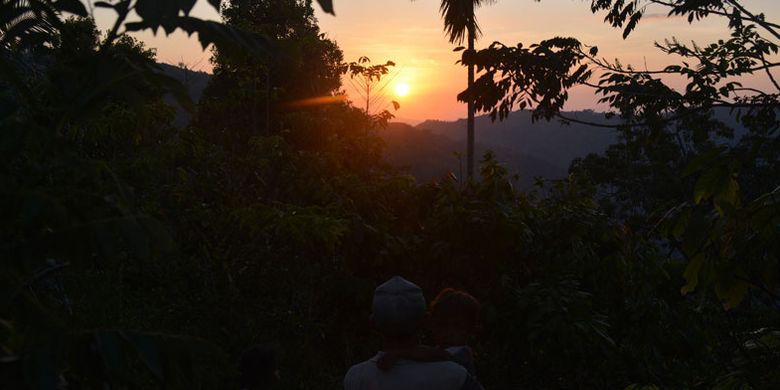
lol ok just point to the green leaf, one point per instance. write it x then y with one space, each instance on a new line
710 182
681 224
699 162
732 291
727 196
691 274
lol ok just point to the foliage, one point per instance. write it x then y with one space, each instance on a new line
519 77
460 19
263 86
367 79
665 131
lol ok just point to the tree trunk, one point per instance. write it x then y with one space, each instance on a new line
470 120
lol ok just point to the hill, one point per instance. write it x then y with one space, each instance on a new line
428 155
552 142
527 149
194 81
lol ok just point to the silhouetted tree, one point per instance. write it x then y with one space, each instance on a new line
460 23
246 93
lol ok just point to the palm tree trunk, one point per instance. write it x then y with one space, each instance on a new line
470 120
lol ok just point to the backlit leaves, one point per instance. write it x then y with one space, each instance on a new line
536 77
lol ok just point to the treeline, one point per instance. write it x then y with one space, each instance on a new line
138 254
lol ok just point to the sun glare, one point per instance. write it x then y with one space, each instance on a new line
402 89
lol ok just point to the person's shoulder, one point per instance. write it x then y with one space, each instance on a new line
443 369
357 368
356 373
461 378
463 356
447 365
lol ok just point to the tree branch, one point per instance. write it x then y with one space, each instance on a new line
760 21
721 13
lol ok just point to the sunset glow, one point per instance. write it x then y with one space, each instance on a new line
402 89
420 48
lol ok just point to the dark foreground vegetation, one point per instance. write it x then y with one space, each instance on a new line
138 254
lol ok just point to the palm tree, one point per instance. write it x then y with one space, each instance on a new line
460 23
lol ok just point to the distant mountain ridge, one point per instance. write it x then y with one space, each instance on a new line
550 141
527 149
194 81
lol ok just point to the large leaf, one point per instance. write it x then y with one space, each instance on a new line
701 161
720 184
732 291
72 6
155 12
209 32
327 6
692 274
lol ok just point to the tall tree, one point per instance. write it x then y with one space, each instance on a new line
243 95
460 23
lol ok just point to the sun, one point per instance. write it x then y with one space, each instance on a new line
402 89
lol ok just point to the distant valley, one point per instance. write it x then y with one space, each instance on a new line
432 149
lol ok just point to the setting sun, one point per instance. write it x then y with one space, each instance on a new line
402 89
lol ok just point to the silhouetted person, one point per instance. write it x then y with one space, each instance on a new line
257 368
398 310
454 318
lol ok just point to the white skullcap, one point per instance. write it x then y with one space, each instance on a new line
398 306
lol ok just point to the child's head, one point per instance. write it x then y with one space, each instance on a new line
454 316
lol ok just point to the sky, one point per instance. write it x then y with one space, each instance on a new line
410 33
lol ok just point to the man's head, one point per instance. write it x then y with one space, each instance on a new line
454 317
398 308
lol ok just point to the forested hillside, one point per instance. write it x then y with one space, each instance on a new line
430 155
145 249
555 143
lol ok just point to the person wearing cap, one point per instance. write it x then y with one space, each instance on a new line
398 310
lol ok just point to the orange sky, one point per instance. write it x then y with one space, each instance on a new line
410 33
